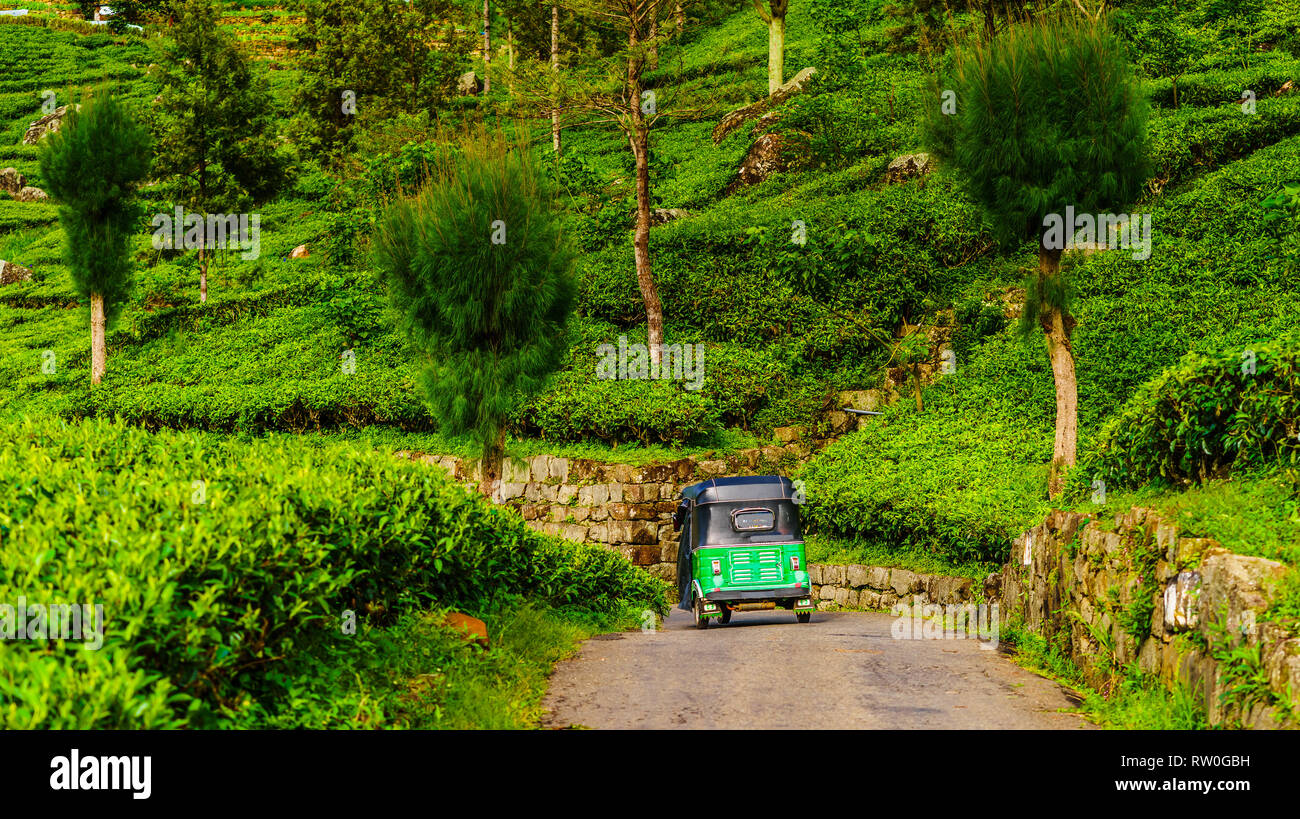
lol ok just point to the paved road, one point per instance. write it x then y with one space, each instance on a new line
764 670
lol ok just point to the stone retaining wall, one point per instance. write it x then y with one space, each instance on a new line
855 586
1079 583
626 508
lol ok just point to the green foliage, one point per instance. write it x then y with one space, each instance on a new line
960 480
1282 212
1048 114
477 265
213 125
578 407
240 557
832 550
976 320
419 673
1211 414
91 166
1137 700
376 52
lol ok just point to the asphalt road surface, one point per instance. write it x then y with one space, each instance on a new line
764 670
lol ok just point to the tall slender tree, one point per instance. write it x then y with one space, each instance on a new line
774 15
91 167
1045 116
612 91
555 68
213 127
477 265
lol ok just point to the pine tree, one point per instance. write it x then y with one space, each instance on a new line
91 166
476 264
213 126
1044 116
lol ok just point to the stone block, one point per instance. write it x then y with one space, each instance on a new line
514 470
620 473
857 575
510 491
574 531
1235 585
903 582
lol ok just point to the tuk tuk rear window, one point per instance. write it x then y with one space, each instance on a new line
714 524
752 520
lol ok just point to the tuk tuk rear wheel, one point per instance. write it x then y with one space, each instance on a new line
726 615
700 620
803 616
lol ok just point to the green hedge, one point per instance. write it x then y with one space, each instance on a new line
203 595
1204 417
576 406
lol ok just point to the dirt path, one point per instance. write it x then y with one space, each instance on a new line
764 670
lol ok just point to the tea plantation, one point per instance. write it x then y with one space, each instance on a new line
278 401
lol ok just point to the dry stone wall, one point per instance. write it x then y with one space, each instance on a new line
1131 590
855 586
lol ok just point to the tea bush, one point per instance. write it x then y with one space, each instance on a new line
216 559
1210 414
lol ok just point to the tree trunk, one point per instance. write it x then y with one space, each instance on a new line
203 276
493 455
487 50
775 53
680 14
654 311
555 68
98 353
916 387
639 138
1058 328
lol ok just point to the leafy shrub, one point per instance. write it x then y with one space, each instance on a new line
576 406
1208 415
214 560
976 320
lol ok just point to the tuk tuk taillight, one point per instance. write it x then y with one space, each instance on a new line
717 567
794 562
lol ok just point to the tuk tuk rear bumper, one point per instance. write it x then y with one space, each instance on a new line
779 593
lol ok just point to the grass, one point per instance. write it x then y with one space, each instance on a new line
837 551
420 674
1136 700
725 442
1253 513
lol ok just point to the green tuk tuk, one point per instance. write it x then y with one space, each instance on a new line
741 548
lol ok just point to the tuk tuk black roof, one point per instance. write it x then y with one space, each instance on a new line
750 487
